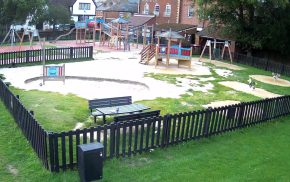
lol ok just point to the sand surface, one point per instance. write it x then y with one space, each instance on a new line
245 88
121 66
271 80
222 64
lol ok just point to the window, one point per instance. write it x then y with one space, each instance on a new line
156 9
84 6
190 11
167 10
146 9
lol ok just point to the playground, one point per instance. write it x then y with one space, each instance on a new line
169 79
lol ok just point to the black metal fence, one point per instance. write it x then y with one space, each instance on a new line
51 54
256 62
261 63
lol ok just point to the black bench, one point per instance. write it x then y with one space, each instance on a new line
107 102
137 116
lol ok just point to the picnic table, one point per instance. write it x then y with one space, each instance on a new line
122 109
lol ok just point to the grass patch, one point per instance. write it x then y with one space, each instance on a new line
54 111
259 153
18 162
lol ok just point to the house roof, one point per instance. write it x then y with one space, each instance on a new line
122 6
67 3
139 20
175 27
214 33
120 20
170 34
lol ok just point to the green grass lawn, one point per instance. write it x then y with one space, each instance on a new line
259 153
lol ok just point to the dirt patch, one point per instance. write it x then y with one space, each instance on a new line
162 68
245 88
12 170
271 80
222 64
221 103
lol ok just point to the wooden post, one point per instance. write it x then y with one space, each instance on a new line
208 44
168 52
152 38
157 52
137 38
229 49
144 35
94 30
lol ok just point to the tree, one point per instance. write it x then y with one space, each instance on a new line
18 10
55 14
256 24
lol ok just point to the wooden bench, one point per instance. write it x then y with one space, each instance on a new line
107 102
137 116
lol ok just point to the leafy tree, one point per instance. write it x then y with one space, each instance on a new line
18 10
55 14
256 24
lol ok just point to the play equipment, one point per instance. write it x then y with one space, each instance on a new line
183 55
26 31
116 33
63 35
209 46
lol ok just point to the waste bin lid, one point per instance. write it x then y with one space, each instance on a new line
90 146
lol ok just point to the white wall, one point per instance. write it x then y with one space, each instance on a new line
76 10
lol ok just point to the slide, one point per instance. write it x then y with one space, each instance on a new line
71 31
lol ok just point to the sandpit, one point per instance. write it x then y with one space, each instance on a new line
221 103
245 88
222 64
271 80
112 74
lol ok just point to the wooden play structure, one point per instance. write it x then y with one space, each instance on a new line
86 30
115 33
170 51
209 46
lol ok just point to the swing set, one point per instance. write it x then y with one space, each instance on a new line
226 45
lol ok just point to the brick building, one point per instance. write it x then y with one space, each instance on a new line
174 14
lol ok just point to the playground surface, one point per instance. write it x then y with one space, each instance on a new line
61 44
115 73
111 74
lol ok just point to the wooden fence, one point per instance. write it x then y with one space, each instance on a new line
31 129
137 136
51 54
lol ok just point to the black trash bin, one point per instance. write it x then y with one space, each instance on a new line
90 161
